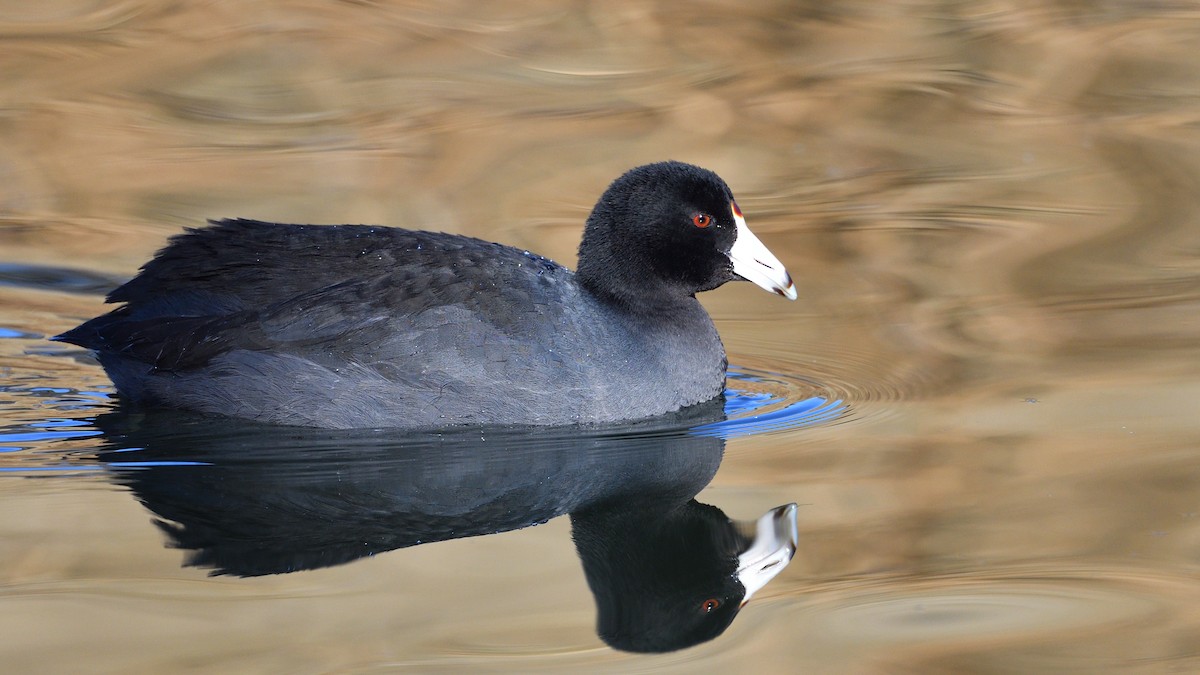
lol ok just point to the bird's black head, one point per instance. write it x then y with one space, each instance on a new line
663 232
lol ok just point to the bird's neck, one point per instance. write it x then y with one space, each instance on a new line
648 297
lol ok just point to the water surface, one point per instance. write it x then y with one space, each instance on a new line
984 401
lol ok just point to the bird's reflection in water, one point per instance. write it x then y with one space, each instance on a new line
667 572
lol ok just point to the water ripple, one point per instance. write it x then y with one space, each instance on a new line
46 278
759 402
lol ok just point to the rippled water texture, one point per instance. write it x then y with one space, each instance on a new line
985 401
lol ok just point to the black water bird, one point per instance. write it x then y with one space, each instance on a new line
353 326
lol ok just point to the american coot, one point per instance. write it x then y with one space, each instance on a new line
355 326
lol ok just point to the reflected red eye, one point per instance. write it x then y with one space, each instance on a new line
702 220
710 604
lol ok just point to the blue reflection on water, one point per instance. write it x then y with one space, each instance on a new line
750 412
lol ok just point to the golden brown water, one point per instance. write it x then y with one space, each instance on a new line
991 209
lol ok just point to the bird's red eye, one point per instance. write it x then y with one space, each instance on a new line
702 220
710 604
